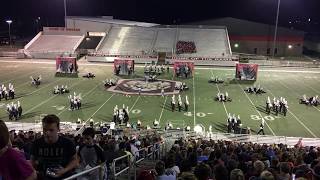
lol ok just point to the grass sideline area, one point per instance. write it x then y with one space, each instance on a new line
291 83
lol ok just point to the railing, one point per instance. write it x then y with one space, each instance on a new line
115 174
100 167
152 151
260 139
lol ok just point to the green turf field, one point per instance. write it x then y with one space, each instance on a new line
301 120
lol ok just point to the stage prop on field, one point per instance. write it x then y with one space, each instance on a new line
123 67
66 66
183 68
246 71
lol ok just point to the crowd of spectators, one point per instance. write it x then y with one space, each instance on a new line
224 160
54 155
185 47
198 159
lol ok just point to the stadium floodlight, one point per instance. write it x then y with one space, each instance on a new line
236 45
290 46
9 21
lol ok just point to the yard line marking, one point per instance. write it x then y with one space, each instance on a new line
134 104
164 104
99 108
194 101
256 109
219 92
83 97
43 102
294 114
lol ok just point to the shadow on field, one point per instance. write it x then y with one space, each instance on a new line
87 105
30 115
20 95
235 81
261 108
221 127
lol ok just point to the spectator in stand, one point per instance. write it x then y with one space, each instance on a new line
202 171
90 154
316 172
220 172
163 174
171 164
13 164
266 175
236 174
284 171
53 156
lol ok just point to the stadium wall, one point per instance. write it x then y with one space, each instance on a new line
250 35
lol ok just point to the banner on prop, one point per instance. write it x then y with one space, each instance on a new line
123 66
246 71
66 65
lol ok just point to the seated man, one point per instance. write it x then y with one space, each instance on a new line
249 89
89 75
36 81
260 91
215 80
304 100
56 90
185 87
64 89
220 97
315 101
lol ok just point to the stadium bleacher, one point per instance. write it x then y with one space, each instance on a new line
128 40
140 41
55 43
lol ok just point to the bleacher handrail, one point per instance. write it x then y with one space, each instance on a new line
85 172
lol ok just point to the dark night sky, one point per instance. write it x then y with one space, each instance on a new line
24 12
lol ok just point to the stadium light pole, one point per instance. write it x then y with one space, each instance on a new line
65 13
9 23
276 29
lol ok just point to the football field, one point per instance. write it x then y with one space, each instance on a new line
98 103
